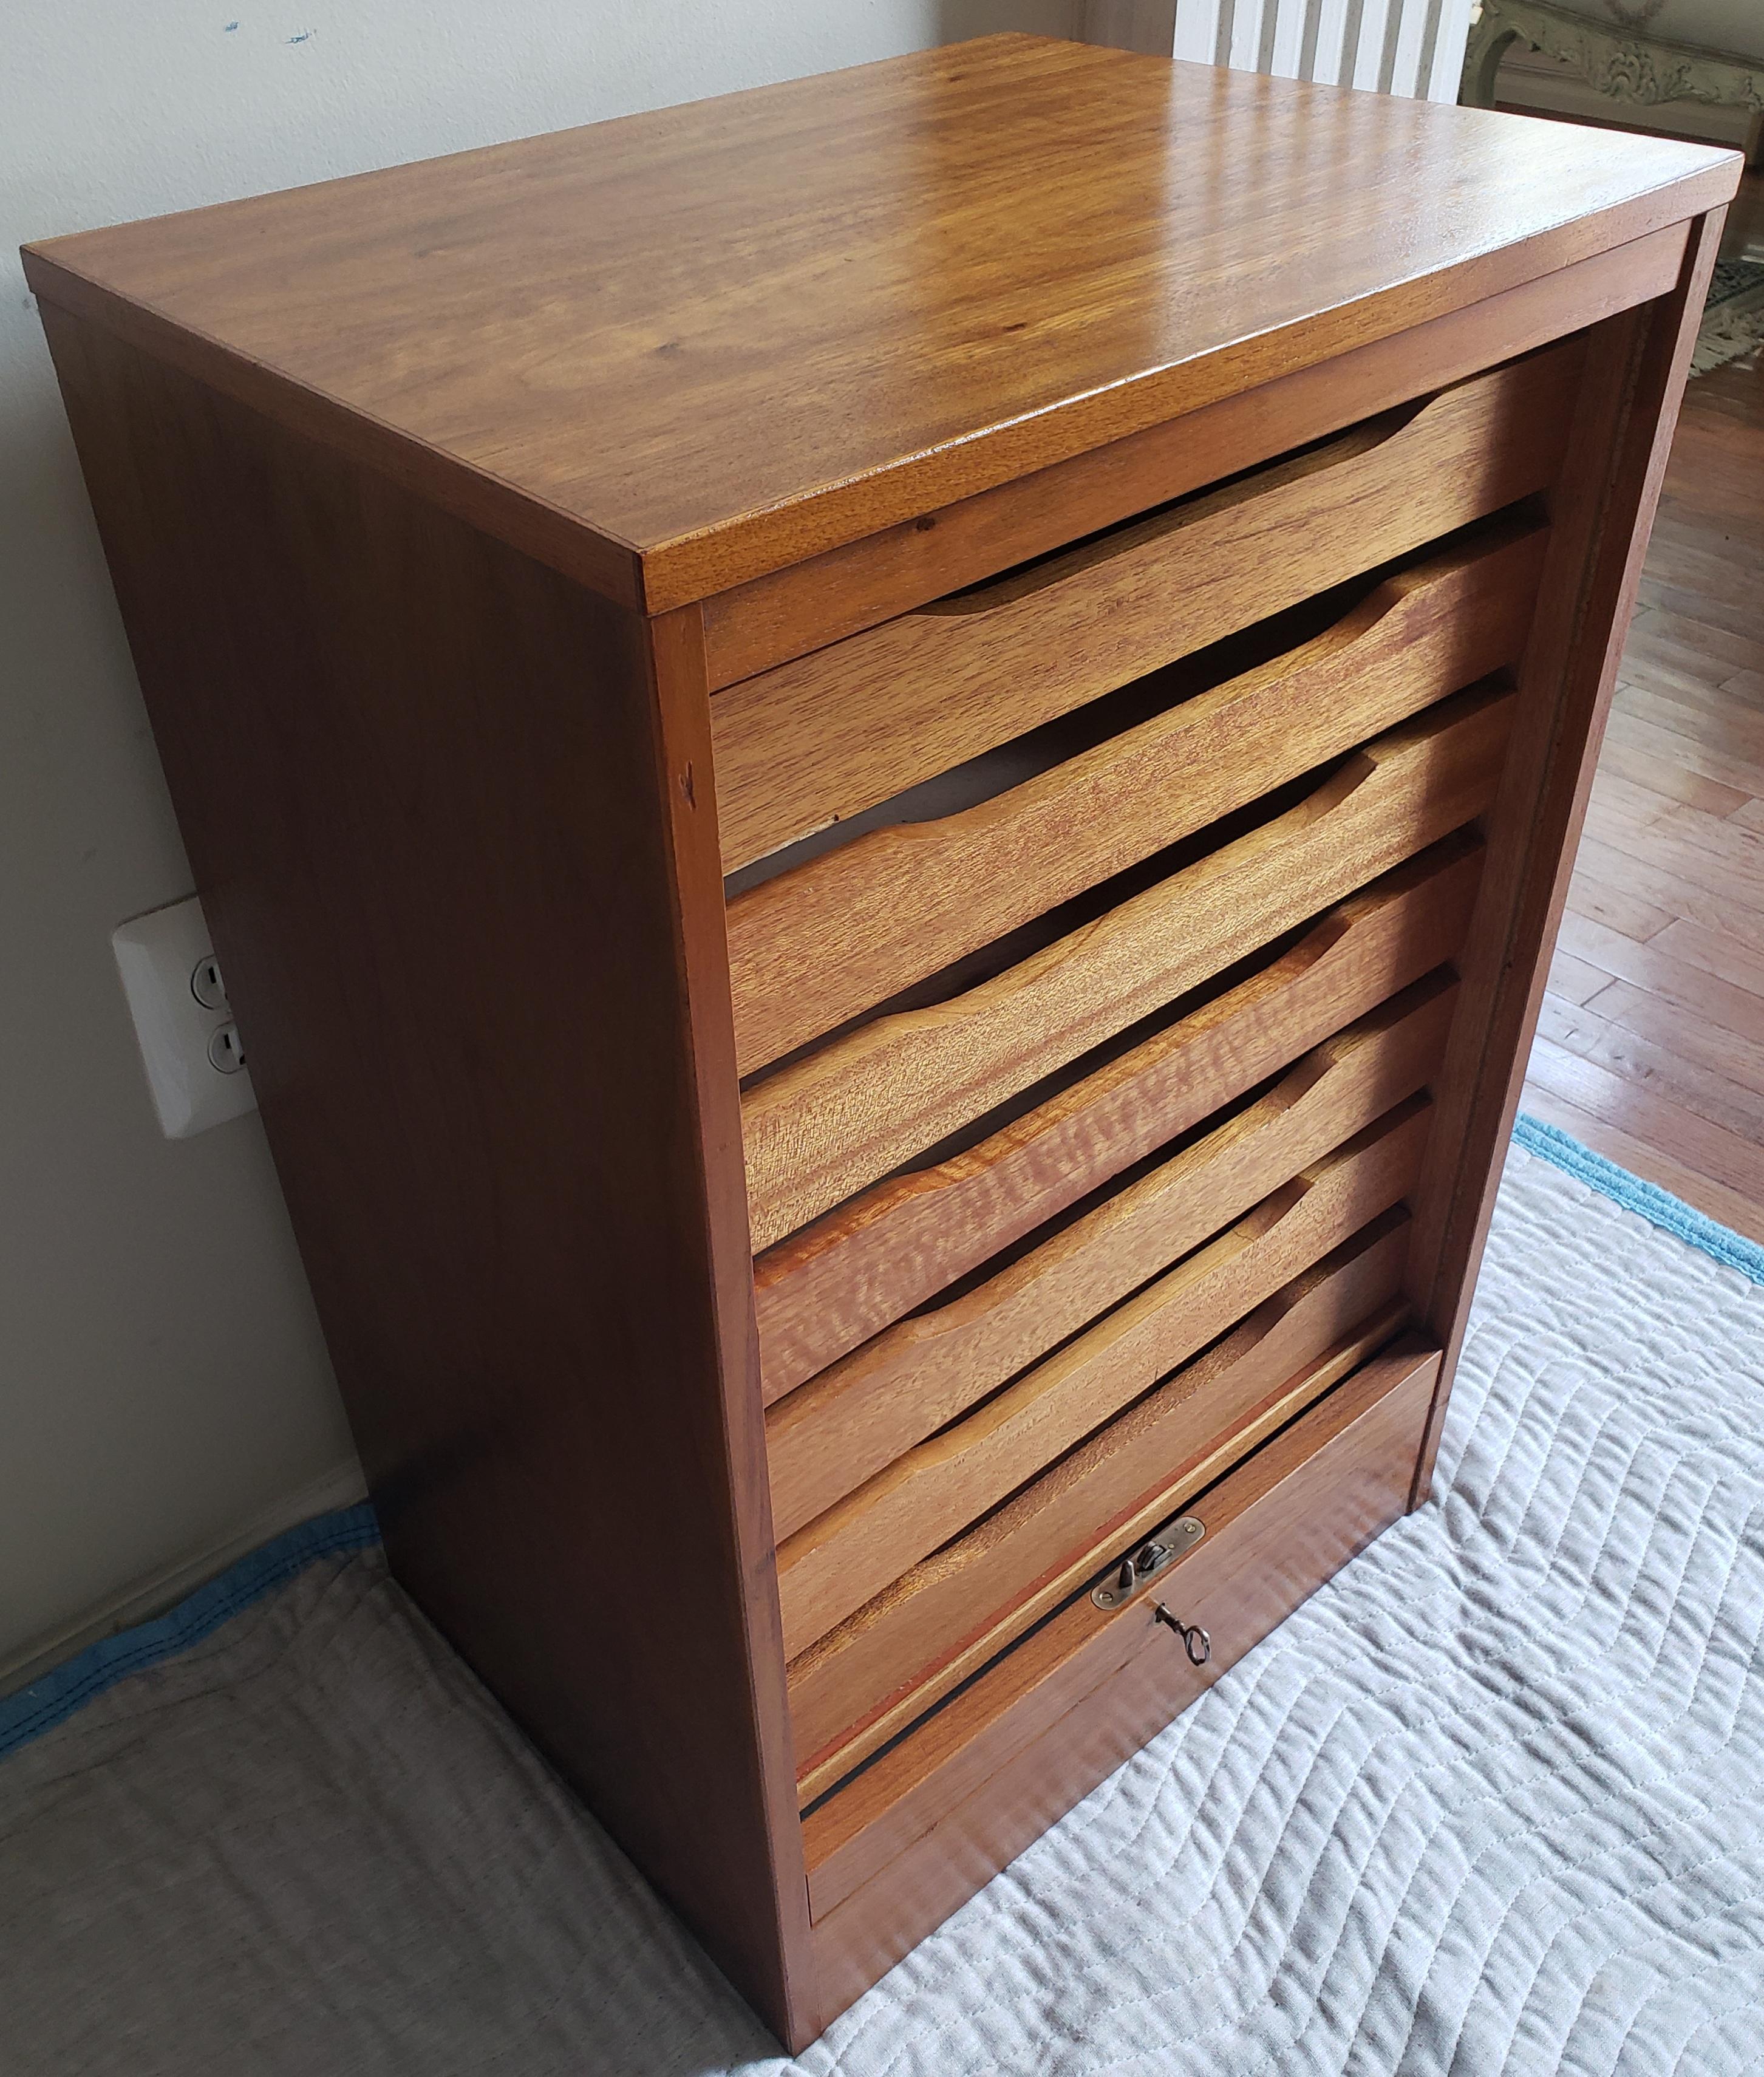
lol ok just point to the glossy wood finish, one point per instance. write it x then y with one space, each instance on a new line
359 798
439 500
819 1129
809 604
905 284
824 740
910 1839
996 1638
912 1643
845 1426
835 936
832 1566
1618 449
1649 1042
849 1275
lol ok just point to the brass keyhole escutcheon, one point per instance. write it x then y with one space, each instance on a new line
1131 1574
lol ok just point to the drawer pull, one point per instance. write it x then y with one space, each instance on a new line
834 733
909 1646
1156 1554
858 1271
841 934
1195 1640
826 1126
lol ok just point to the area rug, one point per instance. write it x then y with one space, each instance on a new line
1732 316
1492 1801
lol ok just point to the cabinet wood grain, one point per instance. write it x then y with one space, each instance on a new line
848 1276
906 283
805 606
905 1647
820 740
819 1129
844 1426
815 946
511 545
907 1838
838 1561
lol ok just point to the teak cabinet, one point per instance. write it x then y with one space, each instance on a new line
882 768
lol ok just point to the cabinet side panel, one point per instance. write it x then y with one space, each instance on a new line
423 784
1602 511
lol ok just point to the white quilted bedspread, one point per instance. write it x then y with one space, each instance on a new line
1492 1801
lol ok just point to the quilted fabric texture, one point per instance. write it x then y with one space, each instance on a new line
1492 1801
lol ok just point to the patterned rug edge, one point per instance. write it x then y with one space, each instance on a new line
1659 1207
60 1693
1732 319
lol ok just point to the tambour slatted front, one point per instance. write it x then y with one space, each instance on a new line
883 768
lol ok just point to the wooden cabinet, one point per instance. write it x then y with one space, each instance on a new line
882 768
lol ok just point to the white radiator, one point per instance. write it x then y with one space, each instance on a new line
1407 47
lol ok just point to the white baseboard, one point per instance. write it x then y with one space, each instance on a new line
341 1486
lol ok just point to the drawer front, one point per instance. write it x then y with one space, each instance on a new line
819 944
820 1129
946 1616
847 1276
944 1484
971 1786
827 737
837 1432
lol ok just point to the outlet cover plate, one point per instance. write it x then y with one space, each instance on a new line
157 955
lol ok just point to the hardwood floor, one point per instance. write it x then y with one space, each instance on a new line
1650 1045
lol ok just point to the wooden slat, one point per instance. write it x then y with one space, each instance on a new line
1369 45
815 946
846 1425
849 1275
1245 47
1288 47
1196 29
823 1127
837 1563
1446 65
809 604
1411 25
1276 1528
1000 1636
1327 62
834 733
1635 371
904 1650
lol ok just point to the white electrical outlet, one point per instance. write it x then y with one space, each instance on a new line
190 1046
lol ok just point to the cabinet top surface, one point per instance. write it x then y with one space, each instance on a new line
717 338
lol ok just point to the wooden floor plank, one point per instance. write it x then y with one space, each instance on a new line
1735 1057
1670 776
1662 1069
1706 714
1725 861
1667 1070
1641 1158
1574 979
1703 650
1715 951
1703 1147
1632 733
1691 989
1588 896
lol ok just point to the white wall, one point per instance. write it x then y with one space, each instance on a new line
162 1379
